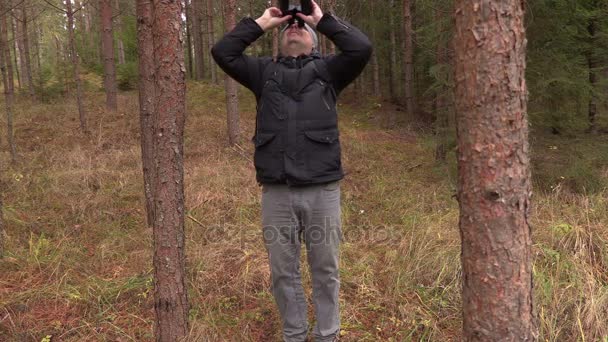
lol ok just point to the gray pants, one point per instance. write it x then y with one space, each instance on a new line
312 214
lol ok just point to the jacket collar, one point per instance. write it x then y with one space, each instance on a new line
298 62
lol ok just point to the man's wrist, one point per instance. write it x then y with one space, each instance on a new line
262 23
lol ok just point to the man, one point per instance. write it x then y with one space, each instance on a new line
297 154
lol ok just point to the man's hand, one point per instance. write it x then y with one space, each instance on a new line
271 18
313 19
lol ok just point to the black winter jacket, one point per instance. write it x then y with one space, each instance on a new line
296 139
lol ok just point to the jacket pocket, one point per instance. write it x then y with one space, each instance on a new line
266 157
322 155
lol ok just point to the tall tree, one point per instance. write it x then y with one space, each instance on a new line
6 65
232 101
107 48
408 57
593 63
69 12
163 111
493 170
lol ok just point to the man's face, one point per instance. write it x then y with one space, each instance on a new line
296 40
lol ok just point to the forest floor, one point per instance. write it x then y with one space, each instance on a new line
78 256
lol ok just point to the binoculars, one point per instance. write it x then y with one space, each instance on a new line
305 8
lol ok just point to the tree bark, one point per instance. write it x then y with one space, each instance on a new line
408 58
107 48
8 83
160 25
76 67
211 40
232 101
493 171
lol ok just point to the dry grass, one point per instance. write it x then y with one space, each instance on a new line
78 261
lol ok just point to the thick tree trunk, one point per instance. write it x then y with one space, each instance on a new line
76 68
408 58
8 82
232 101
107 47
493 170
170 292
211 40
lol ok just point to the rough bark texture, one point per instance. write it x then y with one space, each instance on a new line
232 101
408 58
443 97
146 99
211 40
8 82
170 292
493 170
107 48
76 67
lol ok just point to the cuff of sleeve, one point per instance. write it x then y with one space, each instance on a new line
250 22
328 25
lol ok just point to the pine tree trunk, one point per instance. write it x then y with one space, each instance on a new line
8 82
107 47
232 103
145 51
408 58
493 170
211 40
442 103
170 292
